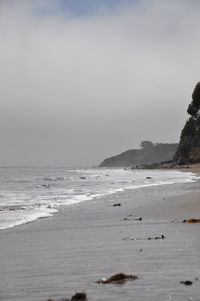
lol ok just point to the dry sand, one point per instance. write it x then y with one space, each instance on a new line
55 257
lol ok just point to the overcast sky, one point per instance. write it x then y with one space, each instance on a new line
82 80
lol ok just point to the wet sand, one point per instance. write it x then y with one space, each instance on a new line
69 252
182 207
192 168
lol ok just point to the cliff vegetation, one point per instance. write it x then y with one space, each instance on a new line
189 146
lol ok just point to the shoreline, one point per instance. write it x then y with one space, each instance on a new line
68 252
192 168
169 165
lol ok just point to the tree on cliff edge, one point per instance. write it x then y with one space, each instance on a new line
189 145
194 106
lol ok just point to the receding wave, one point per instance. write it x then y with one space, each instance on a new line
43 196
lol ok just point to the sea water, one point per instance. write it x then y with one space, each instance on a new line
27 194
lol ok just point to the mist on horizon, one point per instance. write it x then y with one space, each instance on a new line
80 85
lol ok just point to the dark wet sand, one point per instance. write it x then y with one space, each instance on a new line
55 257
195 168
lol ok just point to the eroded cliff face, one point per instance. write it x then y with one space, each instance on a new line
148 154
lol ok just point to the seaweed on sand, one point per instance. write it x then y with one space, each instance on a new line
117 278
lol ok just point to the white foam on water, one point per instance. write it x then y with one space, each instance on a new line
19 217
23 201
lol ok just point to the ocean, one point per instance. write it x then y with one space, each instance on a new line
28 194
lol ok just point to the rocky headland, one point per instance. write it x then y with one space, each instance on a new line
149 153
166 155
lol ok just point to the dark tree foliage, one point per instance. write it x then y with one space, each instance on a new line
184 147
191 131
194 107
189 128
147 144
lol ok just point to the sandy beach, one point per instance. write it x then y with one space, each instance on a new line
100 132
67 253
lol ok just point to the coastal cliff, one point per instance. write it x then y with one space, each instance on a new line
148 153
188 151
166 155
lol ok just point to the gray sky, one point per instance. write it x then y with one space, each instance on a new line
80 85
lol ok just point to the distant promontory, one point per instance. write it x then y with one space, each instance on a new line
166 155
149 153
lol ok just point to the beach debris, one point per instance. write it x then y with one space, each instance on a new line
161 237
138 219
116 204
126 219
131 217
148 178
157 237
82 178
77 297
186 282
192 220
120 278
